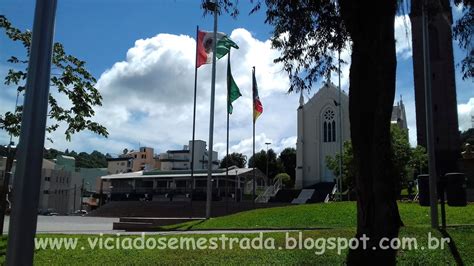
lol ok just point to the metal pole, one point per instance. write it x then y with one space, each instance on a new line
194 116
27 181
267 143
227 141
253 138
429 120
75 197
339 185
227 159
6 183
254 161
82 194
211 122
101 192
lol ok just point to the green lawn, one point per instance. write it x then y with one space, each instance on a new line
240 256
332 215
338 216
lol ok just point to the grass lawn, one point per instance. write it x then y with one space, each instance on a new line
339 216
332 215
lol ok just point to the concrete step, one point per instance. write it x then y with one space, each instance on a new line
158 221
133 226
304 196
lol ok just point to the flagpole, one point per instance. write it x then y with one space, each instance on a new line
211 122
194 117
339 185
227 149
253 138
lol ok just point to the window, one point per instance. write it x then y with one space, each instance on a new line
329 126
46 192
47 178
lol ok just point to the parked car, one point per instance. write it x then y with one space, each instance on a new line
48 212
79 213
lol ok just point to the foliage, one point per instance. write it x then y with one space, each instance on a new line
71 80
95 159
348 167
287 158
260 162
237 159
404 158
419 160
467 137
285 179
463 31
401 153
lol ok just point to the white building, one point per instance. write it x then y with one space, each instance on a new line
319 136
181 159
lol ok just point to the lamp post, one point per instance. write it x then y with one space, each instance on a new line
267 143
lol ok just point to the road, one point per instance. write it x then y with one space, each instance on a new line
97 225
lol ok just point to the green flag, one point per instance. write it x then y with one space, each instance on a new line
233 91
223 46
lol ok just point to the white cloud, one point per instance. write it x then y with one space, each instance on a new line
465 114
402 46
403 36
148 98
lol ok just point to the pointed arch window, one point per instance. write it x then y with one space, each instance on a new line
329 126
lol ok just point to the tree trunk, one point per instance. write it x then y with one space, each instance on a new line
370 24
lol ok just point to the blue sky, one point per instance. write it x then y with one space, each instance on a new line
147 94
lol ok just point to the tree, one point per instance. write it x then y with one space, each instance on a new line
463 32
285 179
237 159
348 168
403 158
260 162
71 79
467 137
401 154
419 160
309 33
287 158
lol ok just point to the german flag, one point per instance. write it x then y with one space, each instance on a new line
257 105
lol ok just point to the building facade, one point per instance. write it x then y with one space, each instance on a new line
133 161
60 189
181 159
319 134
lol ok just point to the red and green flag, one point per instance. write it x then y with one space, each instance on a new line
205 45
233 92
257 105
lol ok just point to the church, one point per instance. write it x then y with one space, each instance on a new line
319 133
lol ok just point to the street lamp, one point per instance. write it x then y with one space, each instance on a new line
267 143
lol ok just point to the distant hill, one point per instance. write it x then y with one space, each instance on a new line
95 159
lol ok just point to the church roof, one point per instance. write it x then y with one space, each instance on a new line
328 88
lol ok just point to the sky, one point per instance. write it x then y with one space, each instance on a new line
142 53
